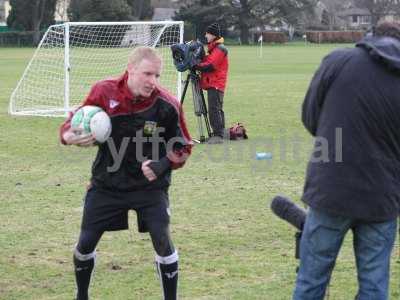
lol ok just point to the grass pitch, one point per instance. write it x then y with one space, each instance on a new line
231 246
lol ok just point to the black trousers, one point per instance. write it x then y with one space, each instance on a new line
215 111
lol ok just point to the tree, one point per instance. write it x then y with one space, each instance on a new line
246 17
331 10
241 14
200 14
99 10
141 9
31 15
379 8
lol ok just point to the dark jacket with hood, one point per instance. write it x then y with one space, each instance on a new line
352 107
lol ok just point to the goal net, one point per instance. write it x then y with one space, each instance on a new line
72 56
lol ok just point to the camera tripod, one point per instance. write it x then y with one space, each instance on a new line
200 108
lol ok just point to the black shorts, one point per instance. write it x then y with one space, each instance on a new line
106 210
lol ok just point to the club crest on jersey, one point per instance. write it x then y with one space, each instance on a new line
113 103
149 128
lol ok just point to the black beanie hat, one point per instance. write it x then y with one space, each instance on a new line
214 29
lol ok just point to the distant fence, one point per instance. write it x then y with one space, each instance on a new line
313 37
274 37
25 38
17 39
334 36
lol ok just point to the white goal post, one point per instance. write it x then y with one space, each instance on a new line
72 56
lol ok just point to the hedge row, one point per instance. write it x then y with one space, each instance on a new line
17 38
334 36
25 38
273 37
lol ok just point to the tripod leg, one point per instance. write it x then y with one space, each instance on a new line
197 105
200 103
205 113
201 129
185 89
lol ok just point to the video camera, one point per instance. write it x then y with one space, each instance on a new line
187 55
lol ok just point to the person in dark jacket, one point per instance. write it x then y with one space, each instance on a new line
352 108
214 72
132 169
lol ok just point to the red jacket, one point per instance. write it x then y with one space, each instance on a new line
214 66
129 117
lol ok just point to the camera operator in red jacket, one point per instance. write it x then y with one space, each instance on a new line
214 72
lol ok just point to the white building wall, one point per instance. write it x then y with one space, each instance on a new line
4 11
61 13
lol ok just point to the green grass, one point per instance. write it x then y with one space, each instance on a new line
230 244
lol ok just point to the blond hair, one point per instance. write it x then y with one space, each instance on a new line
141 53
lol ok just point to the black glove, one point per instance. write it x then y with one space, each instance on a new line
161 166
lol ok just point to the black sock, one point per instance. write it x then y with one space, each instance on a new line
83 273
169 279
168 273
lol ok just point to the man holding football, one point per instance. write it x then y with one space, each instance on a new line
139 109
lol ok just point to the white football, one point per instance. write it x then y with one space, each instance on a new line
91 119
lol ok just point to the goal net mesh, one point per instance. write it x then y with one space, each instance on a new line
62 70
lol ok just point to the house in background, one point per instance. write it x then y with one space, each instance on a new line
361 19
356 18
61 13
4 11
392 17
166 3
164 10
346 15
163 14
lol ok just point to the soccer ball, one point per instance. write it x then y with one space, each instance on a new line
92 119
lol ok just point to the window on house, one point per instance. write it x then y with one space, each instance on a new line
365 19
354 19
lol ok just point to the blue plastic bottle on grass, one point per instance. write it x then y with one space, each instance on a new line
263 155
